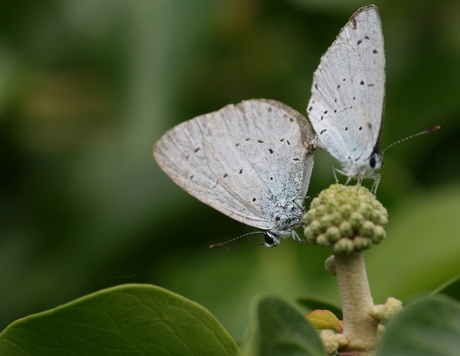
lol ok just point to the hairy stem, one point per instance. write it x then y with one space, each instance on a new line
358 326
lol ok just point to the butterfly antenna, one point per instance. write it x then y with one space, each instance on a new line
412 136
237 238
311 196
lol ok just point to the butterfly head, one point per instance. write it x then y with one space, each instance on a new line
271 239
376 161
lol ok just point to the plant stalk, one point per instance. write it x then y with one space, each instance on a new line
358 326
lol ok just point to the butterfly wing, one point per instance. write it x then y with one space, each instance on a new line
180 153
261 152
348 91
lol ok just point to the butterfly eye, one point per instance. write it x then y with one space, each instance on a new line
372 161
268 239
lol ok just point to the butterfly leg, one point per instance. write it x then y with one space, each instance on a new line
349 180
296 237
376 178
335 170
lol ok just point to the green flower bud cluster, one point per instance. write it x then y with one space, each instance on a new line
346 218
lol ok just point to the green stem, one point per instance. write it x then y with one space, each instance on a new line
358 326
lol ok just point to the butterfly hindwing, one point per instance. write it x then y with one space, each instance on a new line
260 151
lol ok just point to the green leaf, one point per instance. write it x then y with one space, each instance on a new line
450 288
277 328
125 320
426 327
314 302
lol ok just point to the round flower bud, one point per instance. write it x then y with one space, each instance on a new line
309 235
315 227
346 229
362 243
325 222
344 247
347 218
356 220
309 216
323 241
333 234
367 229
346 210
379 235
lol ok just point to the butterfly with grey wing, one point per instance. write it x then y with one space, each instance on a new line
251 161
348 94
348 97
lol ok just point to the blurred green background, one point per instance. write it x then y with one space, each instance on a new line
88 86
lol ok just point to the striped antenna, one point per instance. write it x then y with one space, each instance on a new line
237 238
412 136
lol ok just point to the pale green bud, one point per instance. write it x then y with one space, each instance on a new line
346 217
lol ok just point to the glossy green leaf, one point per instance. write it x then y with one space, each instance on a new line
125 320
277 328
426 327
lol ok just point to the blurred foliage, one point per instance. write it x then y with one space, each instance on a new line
87 87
